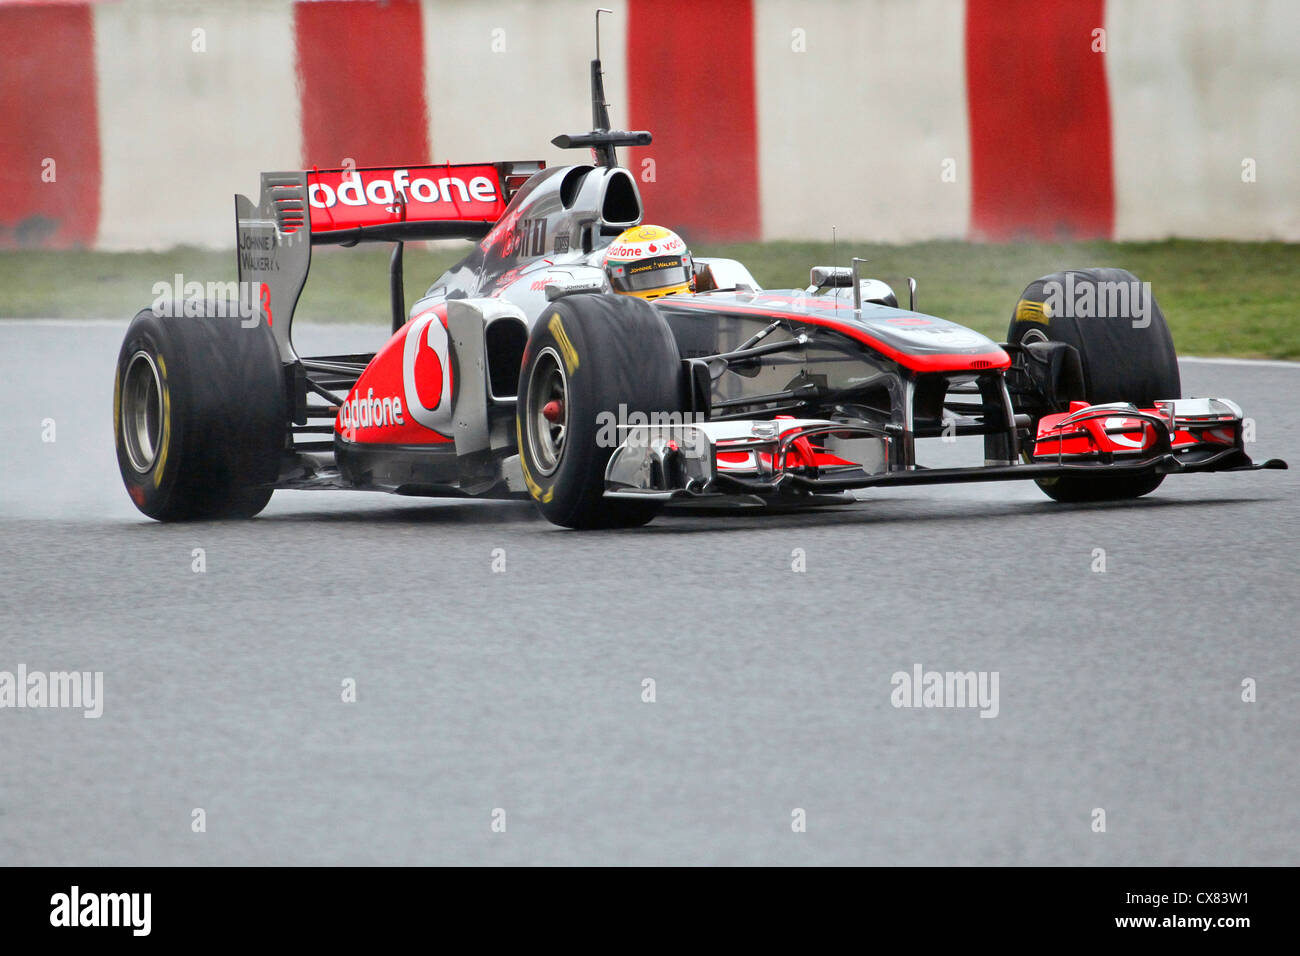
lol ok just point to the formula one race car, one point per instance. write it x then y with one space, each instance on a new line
522 372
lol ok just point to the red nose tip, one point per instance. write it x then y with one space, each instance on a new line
553 411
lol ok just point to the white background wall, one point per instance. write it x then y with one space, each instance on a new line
852 132
855 130
1196 87
182 132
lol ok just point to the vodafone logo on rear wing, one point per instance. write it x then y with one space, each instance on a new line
345 199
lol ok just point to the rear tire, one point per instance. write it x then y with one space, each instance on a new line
1121 361
199 416
591 354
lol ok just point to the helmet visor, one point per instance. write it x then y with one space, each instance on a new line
660 273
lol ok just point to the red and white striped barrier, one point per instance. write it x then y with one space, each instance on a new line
130 125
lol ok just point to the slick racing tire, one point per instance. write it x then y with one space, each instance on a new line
588 355
1126 357
199 416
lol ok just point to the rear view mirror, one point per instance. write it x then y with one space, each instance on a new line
558 288
832 277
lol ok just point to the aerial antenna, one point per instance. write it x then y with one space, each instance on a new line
599 11
599 108
602 140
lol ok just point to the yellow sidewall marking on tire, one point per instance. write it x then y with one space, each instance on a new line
562 340
534 488
167 425
117 406
1027 311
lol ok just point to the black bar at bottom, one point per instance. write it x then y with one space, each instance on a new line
1228 905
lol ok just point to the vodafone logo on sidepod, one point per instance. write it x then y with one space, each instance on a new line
426 373
405 395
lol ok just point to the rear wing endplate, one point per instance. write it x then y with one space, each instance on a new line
299 209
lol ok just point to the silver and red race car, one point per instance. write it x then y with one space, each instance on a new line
520 372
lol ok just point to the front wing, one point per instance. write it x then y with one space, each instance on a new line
767 458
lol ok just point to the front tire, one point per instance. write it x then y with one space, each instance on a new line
199 416
1125 357
591 360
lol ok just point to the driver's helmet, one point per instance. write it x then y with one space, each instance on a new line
649 261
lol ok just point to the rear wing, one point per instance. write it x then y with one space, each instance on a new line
345 206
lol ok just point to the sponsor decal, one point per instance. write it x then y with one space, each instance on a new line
426 362
404 397
930 333
371 411
650 232
356 191
637 250
505 280
529 239
257 251
260 244
497 235
342 199
515 236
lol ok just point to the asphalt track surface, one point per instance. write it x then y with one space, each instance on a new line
523 690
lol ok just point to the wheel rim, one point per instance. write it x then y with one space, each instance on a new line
141 411
547 384
1033 335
